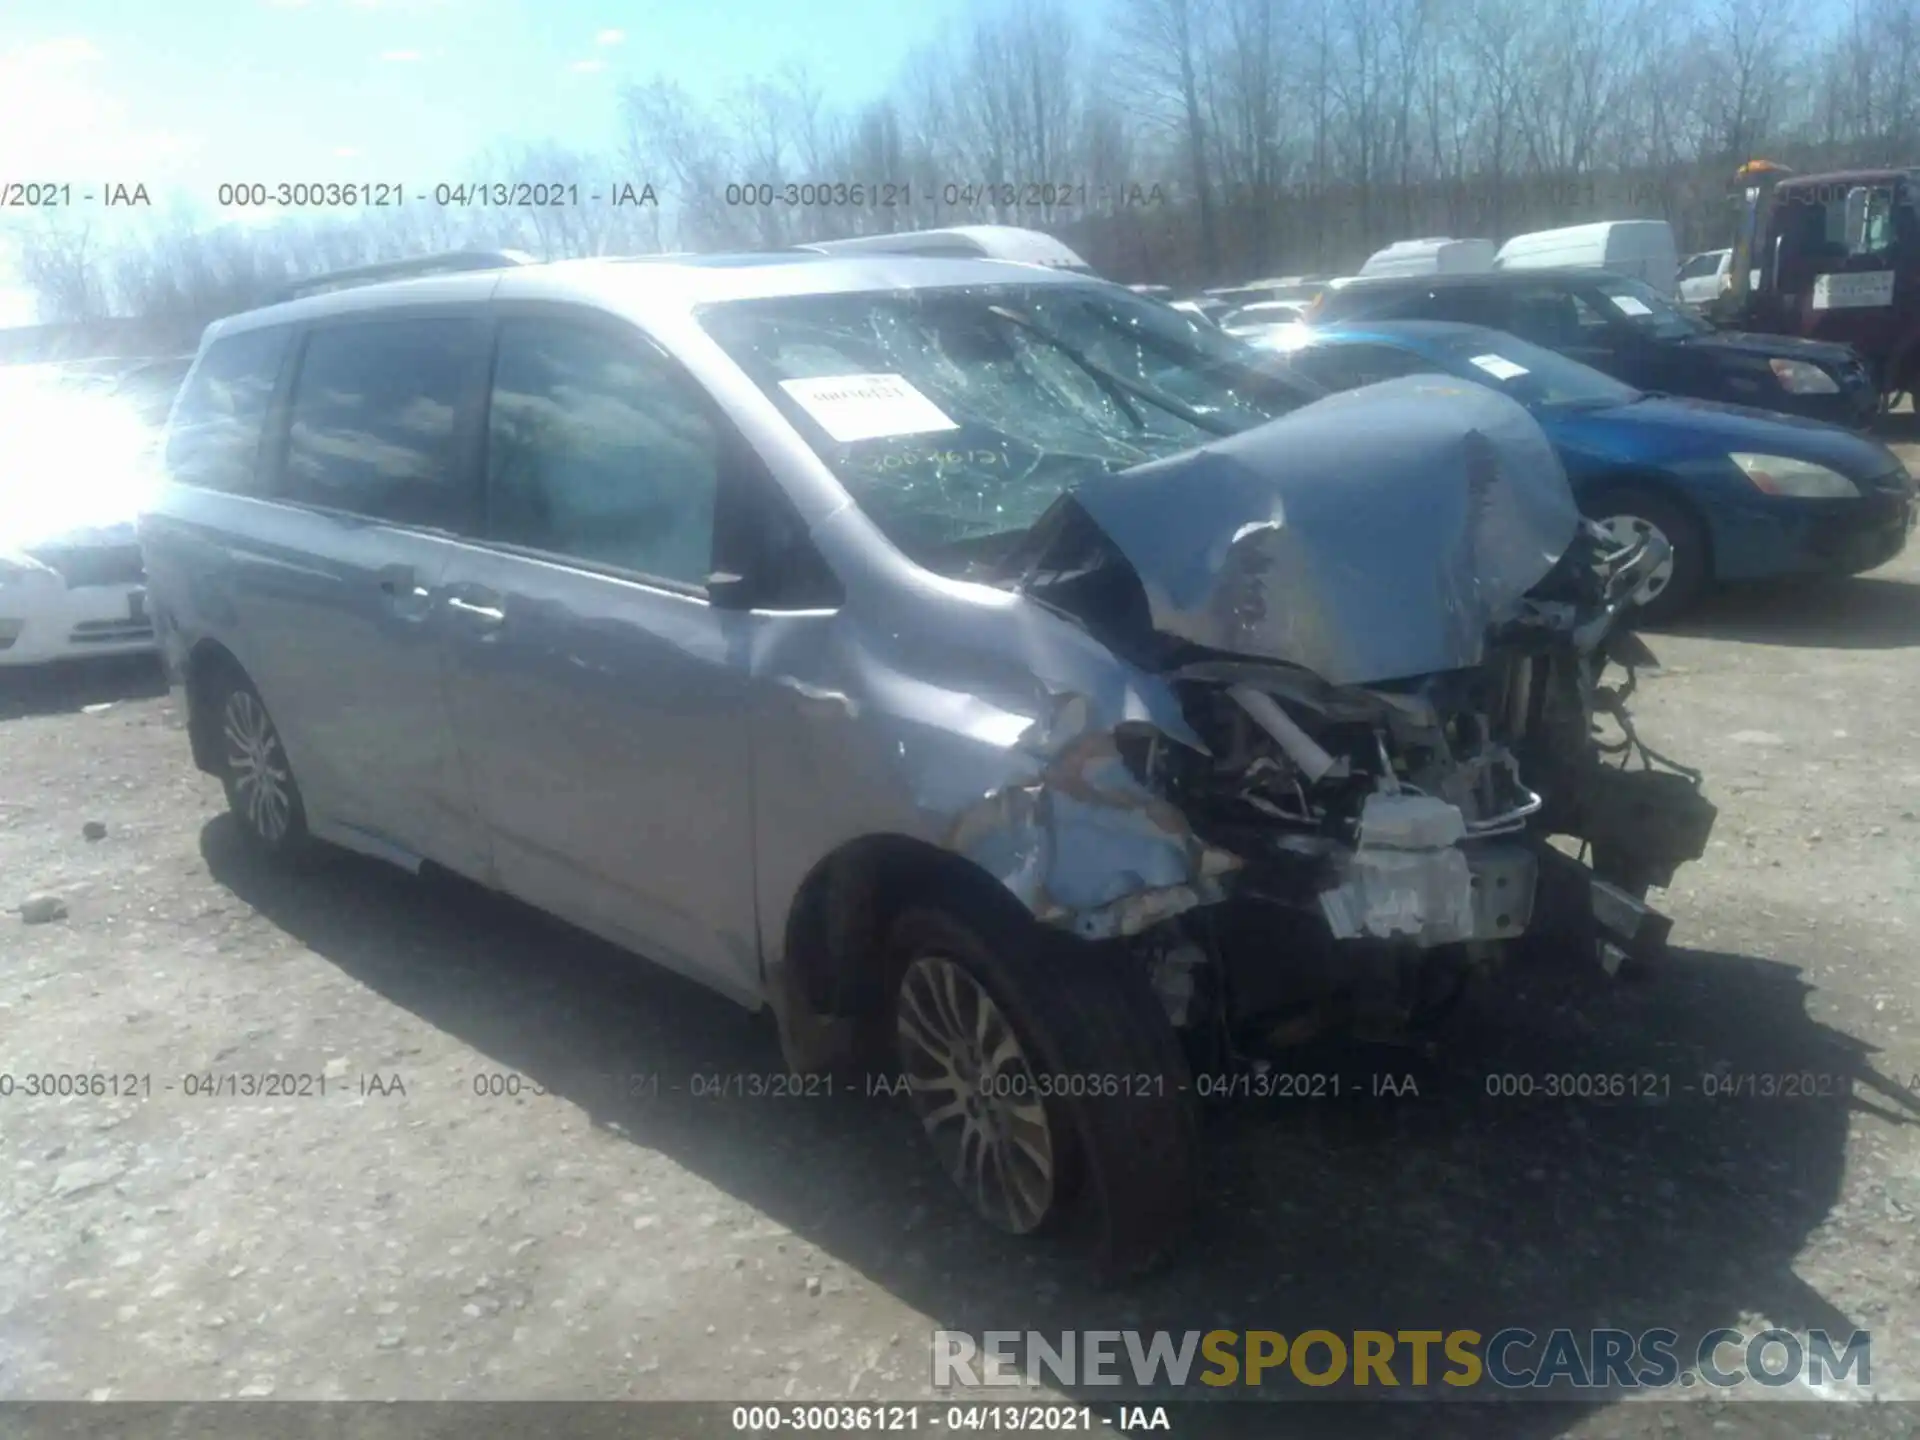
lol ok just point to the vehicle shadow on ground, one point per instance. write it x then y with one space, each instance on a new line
1866 612
64 686
1465 1205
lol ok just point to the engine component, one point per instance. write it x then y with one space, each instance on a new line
1406 876
1314 762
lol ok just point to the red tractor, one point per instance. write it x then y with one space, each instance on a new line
1832 257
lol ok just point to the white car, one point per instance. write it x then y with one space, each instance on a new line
1704 276
1287 335
1251 319
75 470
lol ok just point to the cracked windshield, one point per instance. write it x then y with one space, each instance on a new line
1021 392
1081 715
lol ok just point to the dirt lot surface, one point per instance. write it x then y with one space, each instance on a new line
607 1233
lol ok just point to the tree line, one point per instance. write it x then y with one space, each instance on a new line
1182 141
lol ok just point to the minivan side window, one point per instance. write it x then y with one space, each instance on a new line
214 440
600 449
374 426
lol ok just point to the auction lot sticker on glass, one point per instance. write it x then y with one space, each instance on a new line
867 407
1499 367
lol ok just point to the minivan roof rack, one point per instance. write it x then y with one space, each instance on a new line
452 262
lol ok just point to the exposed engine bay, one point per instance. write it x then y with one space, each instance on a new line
1417 819
1395 836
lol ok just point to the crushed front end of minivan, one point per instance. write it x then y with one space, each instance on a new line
1404 659
1361 739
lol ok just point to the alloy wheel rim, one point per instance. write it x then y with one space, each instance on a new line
975 1093
258 767
1630 530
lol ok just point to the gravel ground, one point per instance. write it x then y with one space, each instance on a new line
607 1234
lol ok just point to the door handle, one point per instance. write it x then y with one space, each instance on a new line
489 614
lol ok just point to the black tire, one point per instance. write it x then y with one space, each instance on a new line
1692 570
254 770
1093 1049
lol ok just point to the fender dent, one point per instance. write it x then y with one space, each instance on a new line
1081 843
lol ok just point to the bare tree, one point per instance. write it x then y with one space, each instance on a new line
61 263
1167 62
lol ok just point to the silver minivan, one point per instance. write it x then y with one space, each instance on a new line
1028 692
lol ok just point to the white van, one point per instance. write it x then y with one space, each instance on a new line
1643 249
984 242
1436 255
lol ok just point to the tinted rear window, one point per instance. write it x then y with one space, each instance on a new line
375 423
214 441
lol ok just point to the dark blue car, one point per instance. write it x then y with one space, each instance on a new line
1739 494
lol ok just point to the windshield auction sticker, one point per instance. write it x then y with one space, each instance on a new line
867 407
1630 305
1499 367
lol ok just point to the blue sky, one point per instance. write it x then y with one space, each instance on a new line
182 95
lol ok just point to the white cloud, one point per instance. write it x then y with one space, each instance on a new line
587 67
346 152
610 37
62 119
286 4
399 57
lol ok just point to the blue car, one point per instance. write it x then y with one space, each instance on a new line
1738 494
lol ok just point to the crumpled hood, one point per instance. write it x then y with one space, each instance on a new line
1371 536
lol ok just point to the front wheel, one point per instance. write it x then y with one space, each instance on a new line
1630 516
1049 1082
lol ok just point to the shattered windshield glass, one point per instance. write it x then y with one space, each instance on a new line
956 417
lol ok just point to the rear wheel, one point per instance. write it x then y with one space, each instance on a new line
254 770
1630 516
1049 1082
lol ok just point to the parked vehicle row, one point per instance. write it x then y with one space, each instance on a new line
1670 425
1630 330
866 638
